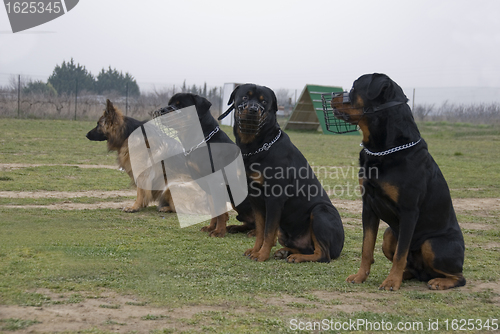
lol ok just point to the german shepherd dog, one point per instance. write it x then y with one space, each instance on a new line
115 128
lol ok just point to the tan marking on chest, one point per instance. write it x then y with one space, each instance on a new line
390 190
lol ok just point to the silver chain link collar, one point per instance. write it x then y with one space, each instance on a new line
207 138
392 150
264 147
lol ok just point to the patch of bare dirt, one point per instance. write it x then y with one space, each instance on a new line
13 166
108 312
476 204
112 312
67 194
75 206
460 204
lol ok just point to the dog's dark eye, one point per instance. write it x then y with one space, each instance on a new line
245 98
264 102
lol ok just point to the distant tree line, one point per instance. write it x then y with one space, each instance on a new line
70 77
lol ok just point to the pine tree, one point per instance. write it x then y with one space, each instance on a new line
65 78
112 80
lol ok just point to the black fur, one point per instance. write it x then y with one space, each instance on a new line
200 165
298 208
408 191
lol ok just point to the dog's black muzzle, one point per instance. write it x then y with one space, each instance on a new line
250 117
171 120
336 121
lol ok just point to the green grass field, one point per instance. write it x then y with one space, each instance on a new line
184 281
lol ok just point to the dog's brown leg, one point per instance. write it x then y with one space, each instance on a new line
406 228
284 252
316 256
389 249
440 283
165 203
271 226
259 234
389 244
139 202
220 228
370 228
211 227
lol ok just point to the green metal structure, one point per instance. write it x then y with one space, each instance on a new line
308 112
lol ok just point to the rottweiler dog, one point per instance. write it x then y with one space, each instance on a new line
288 200
407 191
198 163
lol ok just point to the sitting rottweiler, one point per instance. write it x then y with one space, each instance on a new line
288 200
200 165
408 191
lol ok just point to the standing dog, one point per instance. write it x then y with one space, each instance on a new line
289 202
197 164
409 192
115 128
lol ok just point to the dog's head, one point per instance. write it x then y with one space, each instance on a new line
255 108
106 123
183 100
369 93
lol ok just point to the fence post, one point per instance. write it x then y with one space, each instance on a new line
76 95
126 100
19 96
413 101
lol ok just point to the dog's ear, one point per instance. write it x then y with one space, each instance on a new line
274 102
201 103
109 106
233 94
110 112
379 87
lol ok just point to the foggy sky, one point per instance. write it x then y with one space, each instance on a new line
278 43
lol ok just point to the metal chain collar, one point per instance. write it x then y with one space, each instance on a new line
264 147
207 138
392 150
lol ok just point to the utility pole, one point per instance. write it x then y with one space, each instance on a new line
76 95
19 96
413 101
126 100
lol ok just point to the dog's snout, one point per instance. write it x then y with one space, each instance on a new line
253 108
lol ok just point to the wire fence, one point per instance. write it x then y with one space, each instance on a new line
82 105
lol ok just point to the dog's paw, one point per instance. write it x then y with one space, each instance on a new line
391 284
258 256
131 209
207 228
441 283
297 258
248 252
251 233
233 228
165 209
217 234
357 278
281 254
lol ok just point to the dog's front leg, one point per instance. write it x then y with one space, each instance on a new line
370 228
271 226
406 228
260 222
